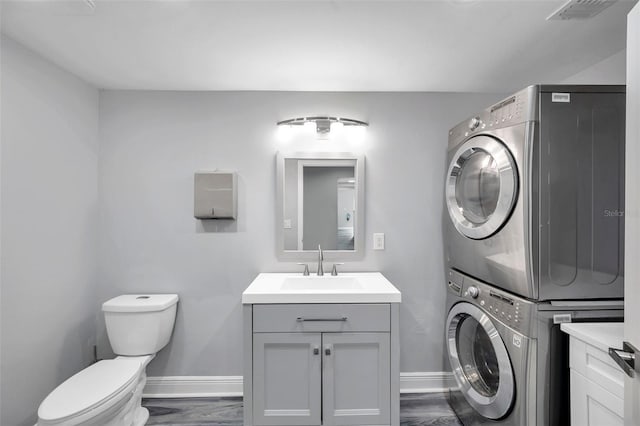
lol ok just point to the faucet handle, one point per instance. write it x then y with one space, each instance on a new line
306 269
334 270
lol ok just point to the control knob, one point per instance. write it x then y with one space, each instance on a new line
473 291
474 123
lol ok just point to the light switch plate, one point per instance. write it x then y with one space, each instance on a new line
378 241
287 224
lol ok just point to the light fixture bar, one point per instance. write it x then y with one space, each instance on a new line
301 120
323 123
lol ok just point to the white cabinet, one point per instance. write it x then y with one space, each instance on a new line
597 383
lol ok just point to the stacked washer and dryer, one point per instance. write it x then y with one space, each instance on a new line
534 236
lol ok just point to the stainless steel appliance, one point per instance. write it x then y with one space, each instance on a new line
508 355
535 193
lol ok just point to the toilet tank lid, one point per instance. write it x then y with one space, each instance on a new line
140 303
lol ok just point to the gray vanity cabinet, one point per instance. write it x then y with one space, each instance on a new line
321 364
355 379
287 371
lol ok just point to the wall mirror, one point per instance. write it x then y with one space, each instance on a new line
320 202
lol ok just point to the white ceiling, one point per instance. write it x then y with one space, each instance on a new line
348 45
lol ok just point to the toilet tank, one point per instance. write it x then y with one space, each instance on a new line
140 324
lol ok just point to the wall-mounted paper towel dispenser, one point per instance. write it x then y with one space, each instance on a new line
215 195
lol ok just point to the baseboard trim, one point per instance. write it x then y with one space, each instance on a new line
208 386
426 382
192 386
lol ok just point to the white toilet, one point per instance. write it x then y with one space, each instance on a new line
109 392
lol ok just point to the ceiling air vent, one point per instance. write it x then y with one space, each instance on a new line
580 9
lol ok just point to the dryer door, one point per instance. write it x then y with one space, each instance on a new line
480 361
481 187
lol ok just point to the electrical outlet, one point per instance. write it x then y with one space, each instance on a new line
378 241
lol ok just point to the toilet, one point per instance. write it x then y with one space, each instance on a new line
109 392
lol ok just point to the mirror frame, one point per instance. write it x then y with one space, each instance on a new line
311 256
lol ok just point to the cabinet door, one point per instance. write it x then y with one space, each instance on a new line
592 405
286 378
356 378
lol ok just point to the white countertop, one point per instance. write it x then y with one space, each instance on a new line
602 335
357 287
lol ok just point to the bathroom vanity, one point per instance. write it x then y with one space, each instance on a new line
321 350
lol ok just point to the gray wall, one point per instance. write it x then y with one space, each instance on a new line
152 142
320 207
612 70
49 229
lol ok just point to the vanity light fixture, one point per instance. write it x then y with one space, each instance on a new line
323 124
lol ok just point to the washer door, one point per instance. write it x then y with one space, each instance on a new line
482 186
480 361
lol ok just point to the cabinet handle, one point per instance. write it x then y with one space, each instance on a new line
303 319
327 350
316 351
626 358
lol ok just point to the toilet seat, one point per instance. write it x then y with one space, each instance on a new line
91 392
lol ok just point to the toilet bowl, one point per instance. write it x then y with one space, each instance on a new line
109 392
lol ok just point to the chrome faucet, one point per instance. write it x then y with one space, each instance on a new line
320 259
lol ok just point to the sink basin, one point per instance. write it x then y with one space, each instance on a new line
321 283
358 287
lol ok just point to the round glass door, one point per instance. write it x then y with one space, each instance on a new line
481 187
480 361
